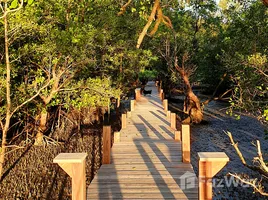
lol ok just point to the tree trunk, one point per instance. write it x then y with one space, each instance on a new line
39 138
8 98
191 104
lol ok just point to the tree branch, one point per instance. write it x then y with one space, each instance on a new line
215 91
124 7
30 99
235 145
260 169
260 158
149 22
258 188
13 10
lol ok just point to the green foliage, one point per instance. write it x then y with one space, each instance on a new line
244 54
147 75
92 93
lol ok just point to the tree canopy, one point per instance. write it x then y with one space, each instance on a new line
77 54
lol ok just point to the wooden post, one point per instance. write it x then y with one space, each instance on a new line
210 163
117 137
74 164
186 146
168 114
163 96
165 104
106 157
160 93
137 94
177 135
117 106
132 105
124 121
173 121
118 102
128 114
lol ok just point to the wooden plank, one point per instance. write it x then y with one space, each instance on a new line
137 180
126 154
137 161
70 158
138 186
152 172
141 195
144 166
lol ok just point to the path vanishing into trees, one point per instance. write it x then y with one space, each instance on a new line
147 162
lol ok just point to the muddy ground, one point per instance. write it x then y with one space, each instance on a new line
209 136
30 173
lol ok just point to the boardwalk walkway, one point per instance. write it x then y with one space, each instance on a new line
146 163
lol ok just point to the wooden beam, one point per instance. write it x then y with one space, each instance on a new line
186 146
74 164
106 157
210 163
173 121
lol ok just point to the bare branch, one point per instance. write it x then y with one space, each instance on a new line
30 99
262 72
215 91
13 10
124 7
261 169
235 145
260 158
257 186
42 68
149 22
2 125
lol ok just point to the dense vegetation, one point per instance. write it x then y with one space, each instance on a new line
71 55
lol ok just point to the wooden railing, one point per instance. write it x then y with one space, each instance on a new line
210 163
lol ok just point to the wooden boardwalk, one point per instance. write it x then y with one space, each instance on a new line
147 162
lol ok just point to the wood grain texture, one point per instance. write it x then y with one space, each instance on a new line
106 157
75 166
186 146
